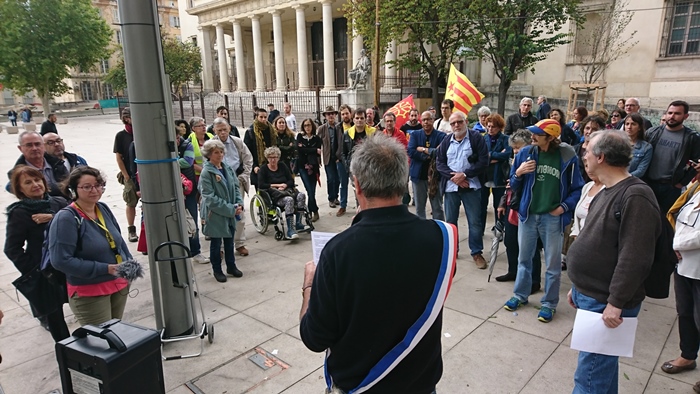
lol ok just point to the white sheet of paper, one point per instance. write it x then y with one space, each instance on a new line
318 241
591 335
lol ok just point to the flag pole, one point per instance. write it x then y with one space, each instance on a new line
376 54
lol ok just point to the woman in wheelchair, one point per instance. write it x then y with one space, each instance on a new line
276 179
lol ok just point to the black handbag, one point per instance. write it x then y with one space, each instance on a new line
44 296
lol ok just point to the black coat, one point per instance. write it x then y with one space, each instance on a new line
516 121
20 229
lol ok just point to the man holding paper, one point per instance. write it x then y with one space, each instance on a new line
374 301
613 254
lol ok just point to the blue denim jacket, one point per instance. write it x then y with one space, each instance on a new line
642 152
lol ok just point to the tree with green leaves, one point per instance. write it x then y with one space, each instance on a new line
182 61
41 40
515 34
433 29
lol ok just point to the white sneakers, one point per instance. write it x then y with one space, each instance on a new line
200 259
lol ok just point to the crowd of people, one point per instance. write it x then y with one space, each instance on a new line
581 194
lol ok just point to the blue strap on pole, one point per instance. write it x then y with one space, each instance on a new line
139 161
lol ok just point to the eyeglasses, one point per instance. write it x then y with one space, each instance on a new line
456 122
615 115
272 158
54 142
308 124
89 188
30 145
198 125
696 214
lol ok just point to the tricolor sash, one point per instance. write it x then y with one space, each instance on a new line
418 330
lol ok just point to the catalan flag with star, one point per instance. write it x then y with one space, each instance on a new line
461 91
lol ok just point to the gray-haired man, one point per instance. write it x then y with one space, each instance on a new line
613 254
386 266
238 157
522 119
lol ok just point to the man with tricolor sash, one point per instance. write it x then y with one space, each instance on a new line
374 301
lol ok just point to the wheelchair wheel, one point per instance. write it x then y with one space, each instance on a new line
279 235
258 213
307 216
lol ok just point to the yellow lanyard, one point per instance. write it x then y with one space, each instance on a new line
100 222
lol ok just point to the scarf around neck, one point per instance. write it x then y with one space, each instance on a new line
258 128
32 205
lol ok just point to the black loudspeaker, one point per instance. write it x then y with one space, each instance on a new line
114 357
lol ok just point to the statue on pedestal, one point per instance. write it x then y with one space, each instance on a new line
360 74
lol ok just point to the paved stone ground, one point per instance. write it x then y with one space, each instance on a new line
485 348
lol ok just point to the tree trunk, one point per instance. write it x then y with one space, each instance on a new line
503 87
434 81
46 104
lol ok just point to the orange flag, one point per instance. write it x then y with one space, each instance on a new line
461 91
401 110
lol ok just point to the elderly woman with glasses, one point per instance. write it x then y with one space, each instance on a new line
86 244
483 113
277 180
222 204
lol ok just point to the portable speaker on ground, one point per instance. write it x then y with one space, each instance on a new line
114 357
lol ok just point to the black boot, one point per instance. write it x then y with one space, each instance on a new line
234 271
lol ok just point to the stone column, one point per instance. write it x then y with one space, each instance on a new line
390 70
204 43
328 54
279 50
223 63
240 60
356 48
257 54
302 53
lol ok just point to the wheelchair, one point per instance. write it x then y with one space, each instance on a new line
263 213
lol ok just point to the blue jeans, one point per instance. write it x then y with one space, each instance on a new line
343 174
215 253
310 186
548 229
420 193
472 206
332 181
191 206
596 373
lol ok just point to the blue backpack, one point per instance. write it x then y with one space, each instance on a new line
47 269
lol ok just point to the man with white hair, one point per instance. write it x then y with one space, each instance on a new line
482 114
238 157
632 107
461 158
522 119
544 109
